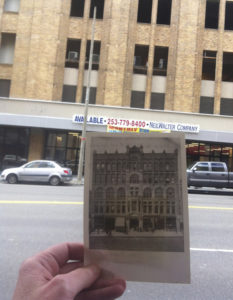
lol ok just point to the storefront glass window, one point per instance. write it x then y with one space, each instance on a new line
13 146
200 151
63 147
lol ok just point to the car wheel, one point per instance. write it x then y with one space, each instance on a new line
54 180
12 179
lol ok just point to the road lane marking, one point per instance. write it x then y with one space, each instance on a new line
81 203
40 202
212 250
211 207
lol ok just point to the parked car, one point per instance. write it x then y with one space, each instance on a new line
38 171
210 174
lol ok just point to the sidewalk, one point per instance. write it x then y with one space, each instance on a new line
74 181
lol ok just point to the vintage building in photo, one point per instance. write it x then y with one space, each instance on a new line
168 61
135 192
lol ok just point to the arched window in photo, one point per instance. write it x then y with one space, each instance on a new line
170 193
134 178
159 192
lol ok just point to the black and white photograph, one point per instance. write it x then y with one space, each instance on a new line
134 194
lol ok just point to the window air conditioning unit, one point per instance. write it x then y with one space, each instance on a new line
161 63
137 61
95 58
72 55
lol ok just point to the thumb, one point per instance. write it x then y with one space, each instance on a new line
70 284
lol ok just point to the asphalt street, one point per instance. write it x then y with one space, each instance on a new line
34 217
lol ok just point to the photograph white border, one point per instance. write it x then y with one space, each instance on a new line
145 266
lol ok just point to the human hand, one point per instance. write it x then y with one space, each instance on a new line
50 276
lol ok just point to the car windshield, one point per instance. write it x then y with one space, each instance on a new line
191 165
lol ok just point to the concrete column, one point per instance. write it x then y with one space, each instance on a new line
151 54
219 58
40 49
86 23
128 71
36 144
185 70
199 56
172 55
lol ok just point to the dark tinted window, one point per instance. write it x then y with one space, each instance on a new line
226 107
207 105
5 88
228 16
69 93
212 12
164 12
157 101
137 99
99 4
77 8
144 11
202 167
217 167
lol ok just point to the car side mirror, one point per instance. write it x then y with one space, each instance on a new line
194 170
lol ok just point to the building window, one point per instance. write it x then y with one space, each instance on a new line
73 53
5 88
63 147
95 57
227 69
160 61
134 178
157 101
170 193
11 5
164 12
92 95
226 107
207 105
144 11
211 14
140 59
208 65
99 4
147 193
137 99
121 194
77 8
7 48
69 93
159 192
109 194
228 16
99 194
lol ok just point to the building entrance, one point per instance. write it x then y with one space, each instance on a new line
134 224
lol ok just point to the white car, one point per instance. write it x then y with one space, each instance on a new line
38 171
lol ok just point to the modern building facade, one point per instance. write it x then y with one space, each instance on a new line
162 60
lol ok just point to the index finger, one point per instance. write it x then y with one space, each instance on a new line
65 251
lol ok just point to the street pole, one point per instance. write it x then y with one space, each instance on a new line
83 137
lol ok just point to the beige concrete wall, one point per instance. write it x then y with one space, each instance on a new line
42 28
36 144
40 49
